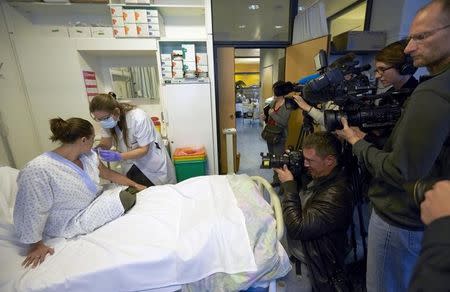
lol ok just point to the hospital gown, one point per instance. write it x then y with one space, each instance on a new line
56 198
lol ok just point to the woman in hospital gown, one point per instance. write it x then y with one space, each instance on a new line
141 150
59 193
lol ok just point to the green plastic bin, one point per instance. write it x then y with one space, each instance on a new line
190 168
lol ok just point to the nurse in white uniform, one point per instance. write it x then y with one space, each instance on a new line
139 144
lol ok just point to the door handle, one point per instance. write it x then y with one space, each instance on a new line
231 116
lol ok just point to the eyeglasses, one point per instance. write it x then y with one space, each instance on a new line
419 37
381 70
101 119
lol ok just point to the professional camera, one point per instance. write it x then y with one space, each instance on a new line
421 187
293 160
347 87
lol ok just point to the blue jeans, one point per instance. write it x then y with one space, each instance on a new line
391 256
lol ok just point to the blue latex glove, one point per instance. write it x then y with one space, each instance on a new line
108 155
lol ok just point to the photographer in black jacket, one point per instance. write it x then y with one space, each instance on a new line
418 147
317 219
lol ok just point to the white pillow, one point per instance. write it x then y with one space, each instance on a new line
8 191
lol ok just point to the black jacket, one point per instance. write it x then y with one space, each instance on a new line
432 271
321 226
418 147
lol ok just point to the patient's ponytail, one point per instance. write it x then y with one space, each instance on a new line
70 130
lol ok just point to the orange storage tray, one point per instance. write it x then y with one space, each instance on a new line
189 152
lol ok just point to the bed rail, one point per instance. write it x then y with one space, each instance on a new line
274 202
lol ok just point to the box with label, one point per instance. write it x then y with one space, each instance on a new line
166 57
201 58
128 16
154 33
117 21
189 66
102 32
202 68
119 31
131 2
79 32
152 13
140 16
177 65
142 30
166 74
177 74
177 54
166 63
166 69
130 30
153 20
152 26
145 2
116 11
188 52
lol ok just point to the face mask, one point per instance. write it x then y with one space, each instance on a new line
109 123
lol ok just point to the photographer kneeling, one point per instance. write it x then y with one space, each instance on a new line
318 217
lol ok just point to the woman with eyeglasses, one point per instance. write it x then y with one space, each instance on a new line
138 143
395 68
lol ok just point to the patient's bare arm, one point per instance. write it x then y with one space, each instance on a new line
36 254
118 178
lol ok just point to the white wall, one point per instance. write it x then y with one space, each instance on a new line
271 57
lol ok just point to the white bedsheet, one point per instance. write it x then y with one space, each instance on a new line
174 234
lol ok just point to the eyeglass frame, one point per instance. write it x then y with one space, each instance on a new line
419 37
102 119
382 70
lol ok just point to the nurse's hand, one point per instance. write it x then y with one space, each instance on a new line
108 155
36 254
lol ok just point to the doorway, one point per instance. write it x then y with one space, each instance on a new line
255 70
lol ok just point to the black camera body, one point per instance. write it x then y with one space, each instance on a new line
293 160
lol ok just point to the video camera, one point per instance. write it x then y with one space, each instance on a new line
347 87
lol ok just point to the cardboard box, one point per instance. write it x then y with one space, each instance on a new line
142 30
153 20
188 52
140 16
189 66
177 74
152 13
80 32
116 11
166 57
128 16
119 31
166 63
201 58
202 68
166 69
130 30
154 33
177 65
152 26
102 32
117 21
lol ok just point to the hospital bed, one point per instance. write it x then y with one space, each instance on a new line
211 233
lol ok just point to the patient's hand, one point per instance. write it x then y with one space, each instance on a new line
36 254
139 187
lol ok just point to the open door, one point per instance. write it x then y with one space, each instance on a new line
227 101
300 63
